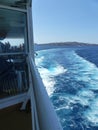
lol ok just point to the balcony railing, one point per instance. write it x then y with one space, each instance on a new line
13 75
43 114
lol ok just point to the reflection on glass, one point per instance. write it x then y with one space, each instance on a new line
13 75
12 31
9 46
14 3
13 40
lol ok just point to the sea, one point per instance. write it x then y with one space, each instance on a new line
70 76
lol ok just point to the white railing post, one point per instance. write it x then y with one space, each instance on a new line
19 80
35 123
46 115
31 96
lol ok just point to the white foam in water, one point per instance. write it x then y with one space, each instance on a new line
86 96
84 71
39 60
48 74
88 72
92 113
47 80
58 69
86 93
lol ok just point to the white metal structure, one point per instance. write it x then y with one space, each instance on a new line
16 22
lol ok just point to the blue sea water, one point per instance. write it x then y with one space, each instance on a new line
70 76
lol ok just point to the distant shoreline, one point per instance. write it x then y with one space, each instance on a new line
38 47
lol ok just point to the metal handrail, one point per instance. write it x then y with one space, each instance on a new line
35 123
13 53
47 117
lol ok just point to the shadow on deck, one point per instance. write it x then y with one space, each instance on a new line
14 119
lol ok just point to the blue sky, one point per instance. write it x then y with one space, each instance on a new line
65 20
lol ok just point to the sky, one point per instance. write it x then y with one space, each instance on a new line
65 20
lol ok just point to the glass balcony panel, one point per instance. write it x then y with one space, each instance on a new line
14 3
12 31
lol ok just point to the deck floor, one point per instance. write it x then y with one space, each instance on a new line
15 120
